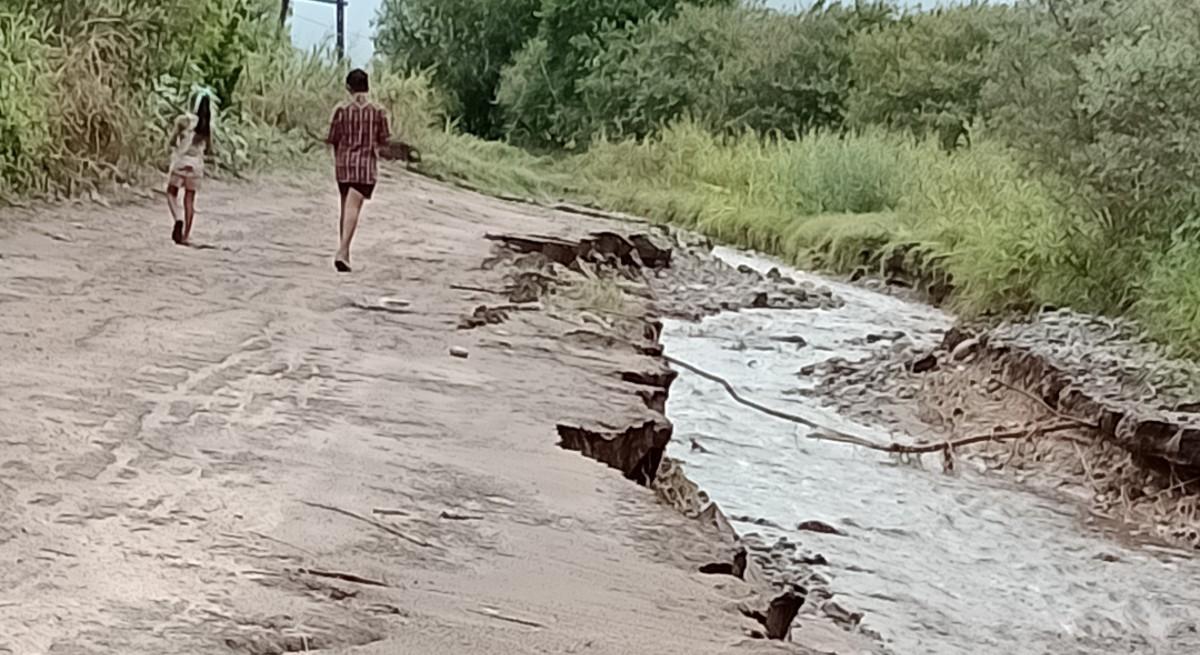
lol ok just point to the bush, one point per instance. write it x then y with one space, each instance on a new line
709 63
83 83
463 44
538 92
925 73
1093 92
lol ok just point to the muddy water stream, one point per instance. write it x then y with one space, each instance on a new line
940 563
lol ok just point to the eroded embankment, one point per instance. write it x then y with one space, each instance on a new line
665 274
1133 451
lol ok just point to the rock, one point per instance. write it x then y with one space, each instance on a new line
890 335
814 560
924 364
840 614
749 271
459 352
965 348
819 527
791 338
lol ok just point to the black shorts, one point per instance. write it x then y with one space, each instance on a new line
365 189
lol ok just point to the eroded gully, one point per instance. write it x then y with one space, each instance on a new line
939 563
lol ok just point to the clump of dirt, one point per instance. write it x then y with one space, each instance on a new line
1135 456
673 269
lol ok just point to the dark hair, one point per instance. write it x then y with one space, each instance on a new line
204 119
357 81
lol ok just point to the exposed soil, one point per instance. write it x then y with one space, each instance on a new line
1134 459
232 448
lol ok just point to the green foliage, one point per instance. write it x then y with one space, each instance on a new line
90 88
1103 91
709 63
925 73
763 193
464 44
542 103
1169 304
25 85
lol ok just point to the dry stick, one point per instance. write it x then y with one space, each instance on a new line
830 434
1043 403
369 521
465 287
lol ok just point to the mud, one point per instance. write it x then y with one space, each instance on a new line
230 448
783 576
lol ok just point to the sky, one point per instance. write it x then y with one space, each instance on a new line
314 22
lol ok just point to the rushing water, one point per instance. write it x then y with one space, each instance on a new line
940 563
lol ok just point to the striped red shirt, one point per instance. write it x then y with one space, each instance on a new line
355 131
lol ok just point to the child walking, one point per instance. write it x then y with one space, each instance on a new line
191 140
357 130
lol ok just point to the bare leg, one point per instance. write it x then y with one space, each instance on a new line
189 209
341 218
353 206
173 205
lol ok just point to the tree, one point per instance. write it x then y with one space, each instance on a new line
463 43
539 94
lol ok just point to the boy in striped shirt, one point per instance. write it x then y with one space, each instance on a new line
356 131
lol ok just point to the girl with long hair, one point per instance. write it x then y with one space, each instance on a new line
191 140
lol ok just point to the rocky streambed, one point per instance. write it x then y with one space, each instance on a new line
1003 548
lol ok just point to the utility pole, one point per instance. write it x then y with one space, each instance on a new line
283 12
341 22
341 29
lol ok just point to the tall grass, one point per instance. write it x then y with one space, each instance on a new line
820 199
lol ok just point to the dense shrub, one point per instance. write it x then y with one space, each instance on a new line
539 92
82 82
710 64
464 44
925 72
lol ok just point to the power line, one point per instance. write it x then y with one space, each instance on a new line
313 21
341 21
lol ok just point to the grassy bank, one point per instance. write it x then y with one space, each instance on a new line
970 220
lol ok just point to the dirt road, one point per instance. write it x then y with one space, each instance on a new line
214 449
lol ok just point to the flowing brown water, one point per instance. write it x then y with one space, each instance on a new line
940 563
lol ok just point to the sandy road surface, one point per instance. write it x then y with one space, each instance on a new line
179 429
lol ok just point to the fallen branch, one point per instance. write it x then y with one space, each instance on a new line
763 408
823 433
466 287
369 521
1066 417
905 449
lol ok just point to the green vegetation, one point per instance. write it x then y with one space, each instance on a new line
1042 153
88 89
1039 154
